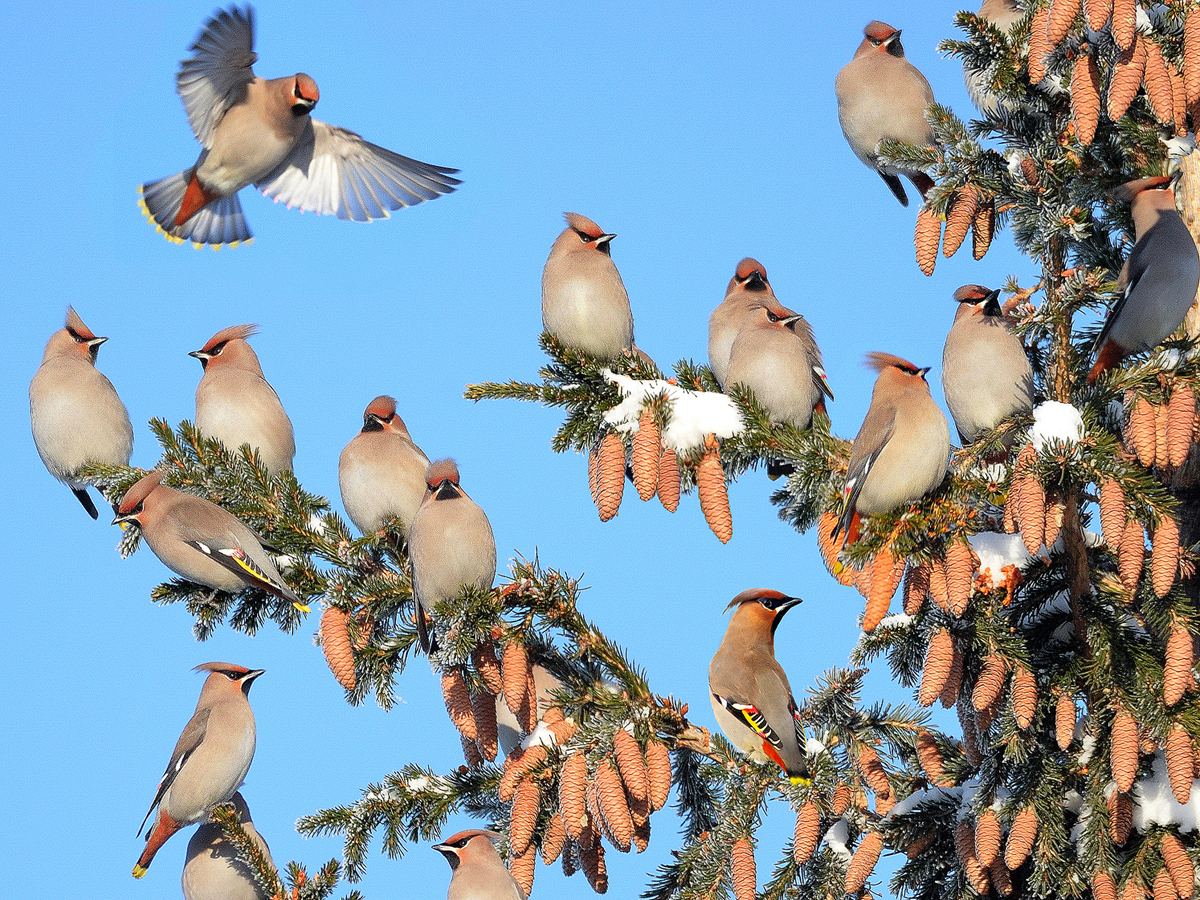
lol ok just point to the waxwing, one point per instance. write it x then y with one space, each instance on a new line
450 545
1158 281
901 451
210 760
381 472
236 405
214 869
478 872
508 730
881 95
748 288
750 694
260 132
200 541
76 415
986 375
584 302
1002 15
776 356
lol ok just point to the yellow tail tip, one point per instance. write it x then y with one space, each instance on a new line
800 780
139 870
302 607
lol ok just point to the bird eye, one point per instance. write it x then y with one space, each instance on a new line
771 317
586 238
232 676
875 42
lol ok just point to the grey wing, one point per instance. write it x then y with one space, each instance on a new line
332 171
216 75
192 737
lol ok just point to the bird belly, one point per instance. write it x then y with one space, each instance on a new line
589 315
88 424
244 150
912 464
782 383
192 796
237 414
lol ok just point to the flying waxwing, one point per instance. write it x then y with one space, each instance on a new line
881 95
750 694
584 302
986 375
260 132
747 289
381 472
76 415
236 405
1002 15
200 541
1158 281
210 760
214 870
450 545
776 356
901 450
478 872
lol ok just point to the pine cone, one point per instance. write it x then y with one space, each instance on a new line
1177 668
644 455
1085 96
1056 509
1164 558
938 660
527 712
516 675
610 796
1124 22
1097 13
1178 753
458 702
1178 865
970 730
886 571
714 494
961 215
554 840
631 765
1112 512
872 771
1134 889
1001 877
866 855
930 757
1064 720
926 239
658 773
641 835
982 227
1126 78
610 476
1120 817
1140 432
964 845
1164 887
1181 417
1178 100
1103 887
919 845
829 547
960 572
1062 17
668 480
987 838
939 588
591 860
335 644
1158 84
1124 753
953 686
483 710
1029 169
990 682
526 807
1024 696
1031 513
484 659
471 751
841 798
916 587
521 866
742 875
808 832
572 784
1160 436
1021 835
519 764
1131 554
1039 45
593 470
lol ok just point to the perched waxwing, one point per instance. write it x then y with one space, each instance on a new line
76 415
200 541
1003 15
584 302
986 375
748 288
901 451
260 132
236 405
214 870
381 472
881 95
450 545
750 694
508 730
1158 281
210 760
776 356
478 873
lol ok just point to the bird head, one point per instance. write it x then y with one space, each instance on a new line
750 275
228 347
441 481
227 675
81 340
883 38
304 95
381 416
975 299
896 369
133 505
465 845
588 234
762 606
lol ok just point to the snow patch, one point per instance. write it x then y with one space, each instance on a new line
1155 804
541 735
1057 422
995 551
694 414
835 839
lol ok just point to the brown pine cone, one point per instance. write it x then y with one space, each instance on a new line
938 659
1103 887
1021 835
335 644
866 855
521 866
1024 696
519 764
1112 512
960 573
658 773
526 807
930 757
926 238
714 493
1124 22
1134 889
1064 720
515 673
1029 170
1157 80
885 573
1001 877
1164 887
964 844
1160 436
872 770
1191 56
1124 753
668 480
1097 13
1056 509
1177 667
939 587
1140 432
1062 17
1031 513
983 226
572 784
1085 96
1181 417
987 838
1178 865
1126 78
610 476
458 702
841 798
1164 557
829 547
958 221
554 840
1131 554
631 765
1179 756
808 832
990 682
610 797
1120 817
953 686
484 659
641 835
644 455
591 860
1039 45
483 710
471 751
1178 100
970 730
742 875
916 587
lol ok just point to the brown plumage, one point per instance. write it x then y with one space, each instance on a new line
572 785
1179 755
1064 720
1112 512
983 226
1177 667
1024 696
1021 835
1058 23
1157 80
658 773
1181 418
610 476
335 644
1085 97
938 659
1126 78
1124 22
990 681
644 455
1039 45
668 480
1164 558
1131 554
714 494
1124 752
926 238
1179 865
866 855
807 833
987 838
958 221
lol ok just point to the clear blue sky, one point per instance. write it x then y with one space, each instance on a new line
698 133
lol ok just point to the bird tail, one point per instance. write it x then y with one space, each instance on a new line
1109 356
163 828
83 497
216 223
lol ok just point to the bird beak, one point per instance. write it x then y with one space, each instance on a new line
126 521
787 604
96 341
755 281
251 675
446 491
923 372
991 304
605 238
200 355
450 853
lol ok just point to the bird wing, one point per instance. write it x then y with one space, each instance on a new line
856 473
238 561
821 380
192 737
750 716
332 171
216 76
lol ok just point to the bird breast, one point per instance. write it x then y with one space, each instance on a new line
77 418
986 375
249 142
882 96
584 303
912 463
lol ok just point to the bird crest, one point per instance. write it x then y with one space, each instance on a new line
233 332
141 489
880 361
440 471
76 327
584 225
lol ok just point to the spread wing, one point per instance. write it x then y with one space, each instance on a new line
215 77
332 171
192 737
